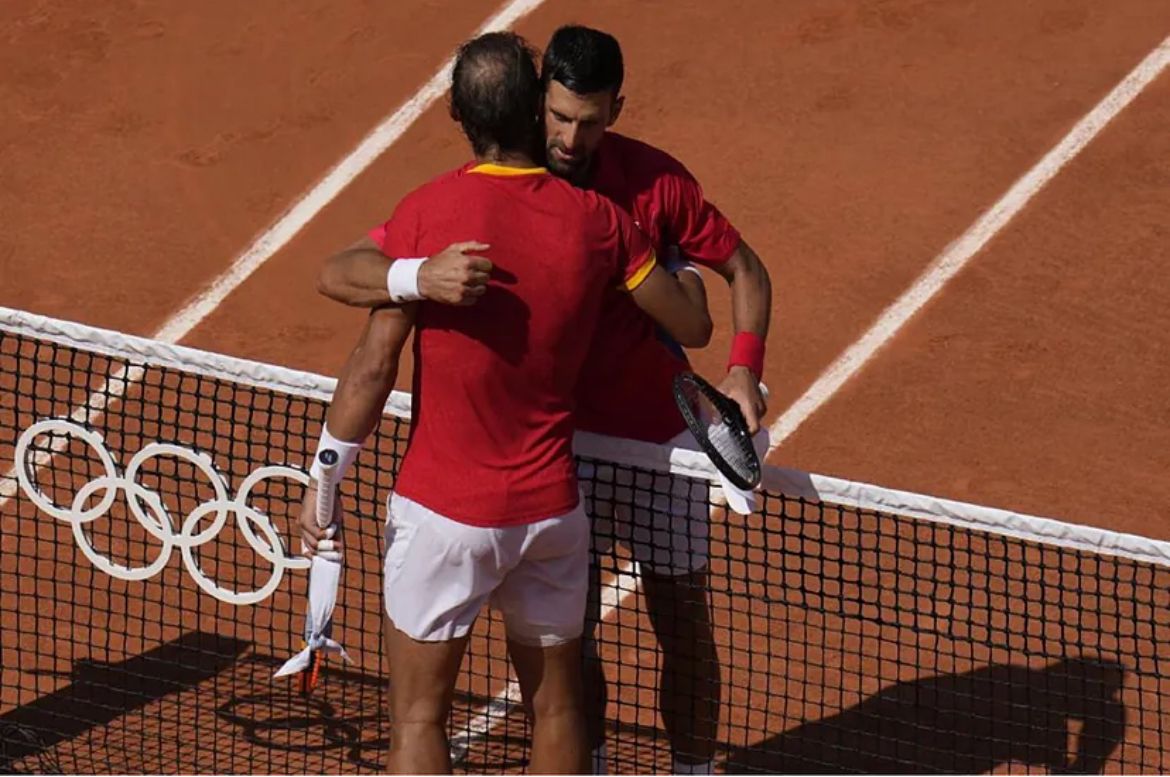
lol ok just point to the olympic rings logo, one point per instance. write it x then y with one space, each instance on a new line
148 509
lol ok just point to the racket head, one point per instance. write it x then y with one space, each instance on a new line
718 426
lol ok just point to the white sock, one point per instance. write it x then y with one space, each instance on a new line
600 760
679 767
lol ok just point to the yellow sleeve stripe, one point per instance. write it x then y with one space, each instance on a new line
489 168
635 280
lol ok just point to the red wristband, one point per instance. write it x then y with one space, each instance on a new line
747 350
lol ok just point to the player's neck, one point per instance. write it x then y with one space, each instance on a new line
507 159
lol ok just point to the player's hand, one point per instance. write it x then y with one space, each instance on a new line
744 387
453 276
311 533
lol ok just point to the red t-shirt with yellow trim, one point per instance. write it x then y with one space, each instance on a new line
626 384
491 436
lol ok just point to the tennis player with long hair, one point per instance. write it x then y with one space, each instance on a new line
486 504
627 386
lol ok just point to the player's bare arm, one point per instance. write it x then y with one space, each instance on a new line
692 285
751 309
366 381
678 304
360 276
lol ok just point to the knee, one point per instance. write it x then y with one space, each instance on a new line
565 697
559 706
423 710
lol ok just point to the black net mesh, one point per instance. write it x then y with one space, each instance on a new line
821 638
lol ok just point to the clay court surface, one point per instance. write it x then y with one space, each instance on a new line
851 142
145 146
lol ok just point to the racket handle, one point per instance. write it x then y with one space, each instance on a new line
326 486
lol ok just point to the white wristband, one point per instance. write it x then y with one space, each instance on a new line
347 452
688 267
402 280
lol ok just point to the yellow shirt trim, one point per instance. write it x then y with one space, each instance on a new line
639 276
490 168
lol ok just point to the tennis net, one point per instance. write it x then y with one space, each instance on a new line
149 593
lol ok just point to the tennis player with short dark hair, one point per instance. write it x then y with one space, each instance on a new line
486 503
629 375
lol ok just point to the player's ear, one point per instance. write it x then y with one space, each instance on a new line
616 109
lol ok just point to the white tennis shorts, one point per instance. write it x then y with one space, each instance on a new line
664 520
438 573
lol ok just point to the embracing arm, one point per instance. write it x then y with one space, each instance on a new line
677 303
359 276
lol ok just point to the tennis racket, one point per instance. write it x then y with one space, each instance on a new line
326 496
719 427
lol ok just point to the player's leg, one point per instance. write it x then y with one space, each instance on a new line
689 687
422 685
597 498
542 600
596 685
670 524
437 575
550 679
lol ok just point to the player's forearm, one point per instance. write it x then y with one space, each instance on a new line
368 376
356 276
358 402
751 291
363 276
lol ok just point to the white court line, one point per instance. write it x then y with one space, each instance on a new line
942 269
280 233
294 220
959 253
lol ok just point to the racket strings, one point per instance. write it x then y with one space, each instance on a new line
730 443
723 426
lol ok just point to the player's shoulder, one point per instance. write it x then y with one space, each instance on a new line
588 202
600 209
434 194
641 157
441 183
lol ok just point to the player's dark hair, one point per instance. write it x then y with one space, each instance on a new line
496 93
583 60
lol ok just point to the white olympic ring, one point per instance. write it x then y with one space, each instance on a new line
148 509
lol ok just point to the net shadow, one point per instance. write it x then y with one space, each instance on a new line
99 693
1066 717
347 717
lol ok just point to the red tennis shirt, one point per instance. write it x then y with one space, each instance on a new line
625 387
491 437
